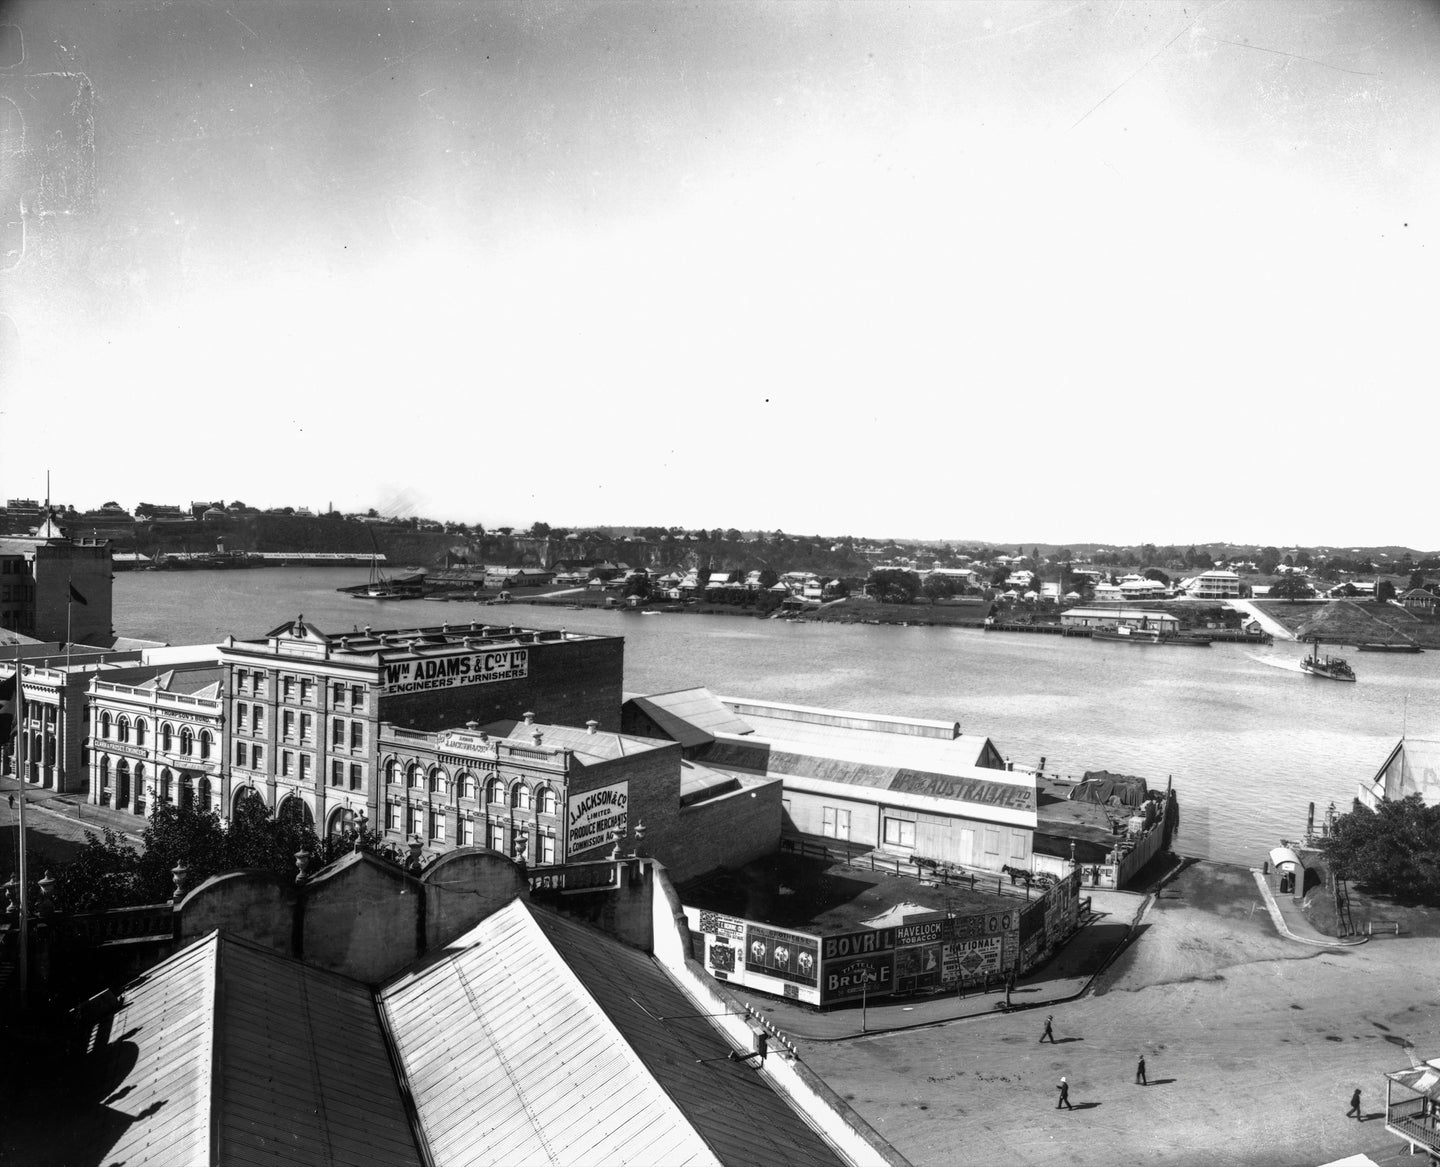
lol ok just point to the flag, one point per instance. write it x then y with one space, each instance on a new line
9 706
76 596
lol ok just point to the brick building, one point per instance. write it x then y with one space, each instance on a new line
551 794
304 707
37 575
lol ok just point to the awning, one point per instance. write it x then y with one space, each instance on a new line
1280 856
1423 1079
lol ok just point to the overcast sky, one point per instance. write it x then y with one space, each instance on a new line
1048 272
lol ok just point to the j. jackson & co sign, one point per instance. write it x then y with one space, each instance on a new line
596 814
451 672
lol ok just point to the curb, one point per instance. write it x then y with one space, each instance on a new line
1284 929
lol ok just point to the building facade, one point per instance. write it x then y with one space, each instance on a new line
1215 585
157 740
304 708
56 589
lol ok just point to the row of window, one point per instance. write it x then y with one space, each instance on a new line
128 788
250 681
190 743
498 836
543 798
338 774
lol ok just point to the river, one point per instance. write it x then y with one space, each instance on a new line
1249 739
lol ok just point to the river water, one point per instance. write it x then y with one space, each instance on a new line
1249 739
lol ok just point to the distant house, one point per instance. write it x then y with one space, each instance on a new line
1119 617
1214 585
1420 600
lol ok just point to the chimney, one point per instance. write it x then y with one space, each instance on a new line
591 726
539 737
529 718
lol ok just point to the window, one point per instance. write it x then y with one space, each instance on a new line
337 773
206 740
412 776
357 776
122 728
357 735
167 786
257 684
242 717
992 840
257 757
307 687
467 785
242 678
287 688
139 731
187 741
337 733
337 693
497 837
548 800
495 791
105 723
304 767
520 796
139 787
835 823
1019 846
392 816
392 771
465 833
357 696
412 820
287 762
545 848
437 826
259 720
287 725
439 784
899 832
205 794
307 726
167 736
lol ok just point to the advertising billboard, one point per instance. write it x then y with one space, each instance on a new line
757 956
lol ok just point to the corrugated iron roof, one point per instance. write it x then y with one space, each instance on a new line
510 1059
691 716
602 744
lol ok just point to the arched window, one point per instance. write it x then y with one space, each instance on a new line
294 809
206 740
520 796
122 729
166 785
187 741
139 787
495 791
140 731
187 789
167 737
122 783
105 723
547 800
341 820
412 776
439 782
392 770
205 794
467 784
105 780
244 795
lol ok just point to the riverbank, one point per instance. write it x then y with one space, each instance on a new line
1352 622
1253 1044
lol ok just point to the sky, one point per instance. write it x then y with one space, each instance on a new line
1021 272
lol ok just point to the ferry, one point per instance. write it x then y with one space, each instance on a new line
1331 667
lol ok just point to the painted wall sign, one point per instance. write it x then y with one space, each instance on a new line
858 943
718 924
596 814
862 975
452 672
584 877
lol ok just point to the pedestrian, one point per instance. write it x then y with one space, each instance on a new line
1064 1096
1140 1072
1355 1106
1049 1032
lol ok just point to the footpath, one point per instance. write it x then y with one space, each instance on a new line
56 824
1269 623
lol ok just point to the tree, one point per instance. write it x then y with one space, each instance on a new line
638 585
1291 587
893 585
1384 591
1157 575
539 530
1269 560
938 587
1395 849
999 576
733 535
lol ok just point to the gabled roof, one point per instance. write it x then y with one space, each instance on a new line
691 716
587 747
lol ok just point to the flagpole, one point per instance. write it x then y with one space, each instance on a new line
20 736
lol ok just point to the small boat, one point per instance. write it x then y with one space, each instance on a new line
1331 667
1389 648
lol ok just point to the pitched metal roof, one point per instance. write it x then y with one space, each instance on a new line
691 716
587 747
510 1059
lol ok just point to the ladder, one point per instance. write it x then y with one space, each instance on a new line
1344 924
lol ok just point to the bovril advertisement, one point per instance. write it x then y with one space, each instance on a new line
596 815
772 960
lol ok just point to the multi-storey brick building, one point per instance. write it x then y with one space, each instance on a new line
56 589
304 707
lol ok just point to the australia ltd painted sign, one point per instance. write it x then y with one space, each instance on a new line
454 672
595 815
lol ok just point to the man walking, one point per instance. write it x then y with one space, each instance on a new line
1140 1072
1064 1096
1355 1106
1049 1032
